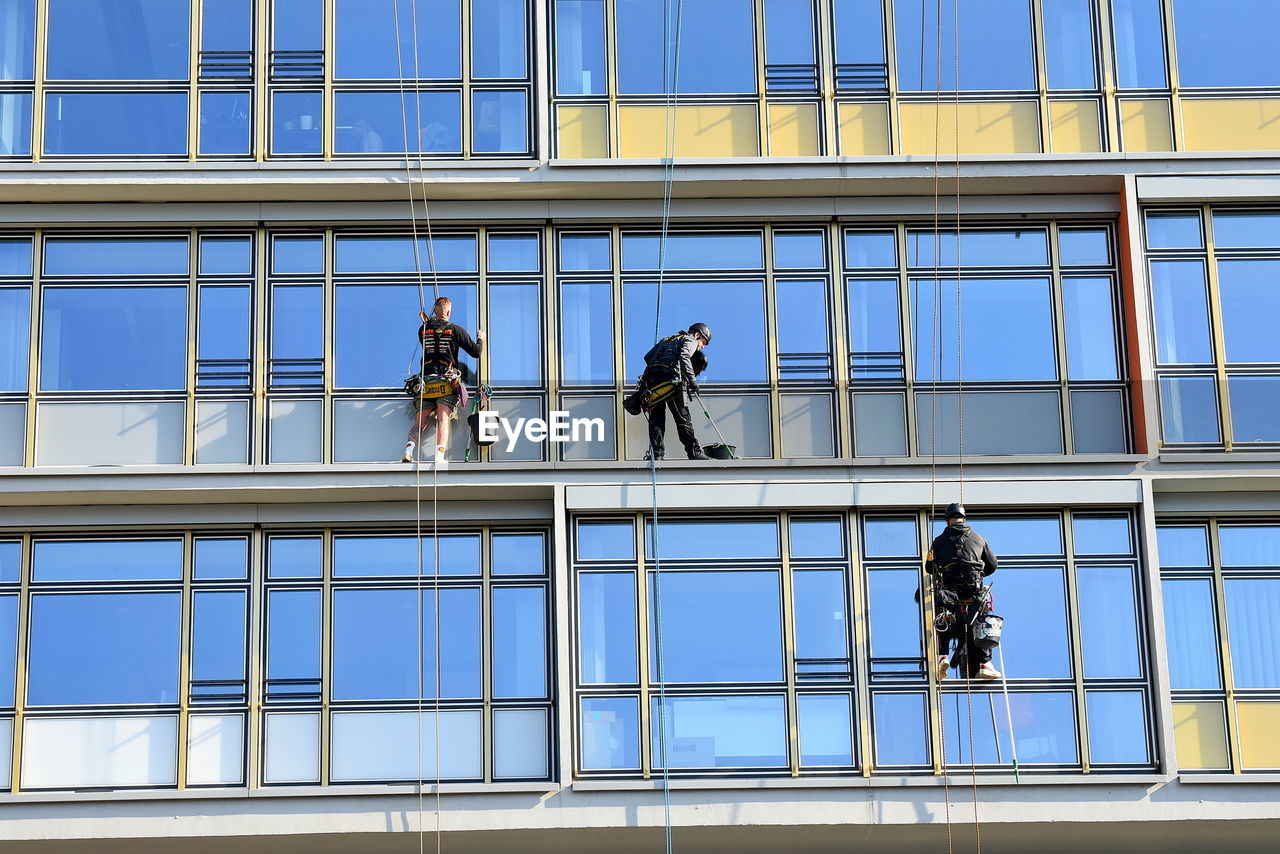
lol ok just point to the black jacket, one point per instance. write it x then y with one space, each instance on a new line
675 353
445 338
960 544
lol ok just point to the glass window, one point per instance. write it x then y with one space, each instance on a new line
224 122
607 623
1108 623
381 361
1101 535
610 733
375 122
225 256
101 40
519 743
826 733
693 251
817 538
875 337
717 626
686 539
737 357
355 557
515 323
107 560
900 729
224 334
103 649
370 746
10 561
1091 331
1191 634
1098 422
859 32
15 122
606 541
15 319
1018 536
498 39
821 622
580 47
226 25
717 47
799 250
298 25
449 253
788 32
499 122
1029 248
1203 28
513 253
1008 329
894 615
293 640
1045 729
1182 546
870 249
586 332
1068 43
519 641
1182 313
106 123
17 60
296 120
1249 297
78 256
293 557
1244 229
585 252
1033 602
720 732
1117 727
1177 230
1079 247
15 256
1015 422
368 46
297 313
8 648
218 641
518 554
1254 404
1253 622
1189 410
1249 545
1003 22
891 538
1139 37
801 321
297 255
217 558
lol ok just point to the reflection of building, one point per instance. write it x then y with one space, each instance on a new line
208 602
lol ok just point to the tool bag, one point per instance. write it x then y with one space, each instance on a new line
659 393
429 387
986 631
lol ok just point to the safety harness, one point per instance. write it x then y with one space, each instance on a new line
437 351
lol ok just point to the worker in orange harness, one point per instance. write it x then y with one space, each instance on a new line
959 560
439 390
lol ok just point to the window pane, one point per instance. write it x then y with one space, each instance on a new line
293 636
1008 330
513 253
1249 545
449 254
518 554
371 746
1244 229
826 735
1117 727
519 642
817 538
8 647
519 743
859 32
293 557
585 252
875 337
894 615
299 24
218 639
105 40
498 38
297 255
103 648
799 250
99 752
110 560
219 558
1109 624
1068 43
822 628
1182 546
18 57
1016 422
499 122
515 322
375 122
801 322
1181 310
716 627
226 25
900 729
610 733
224 326
355 557
737 356
687 539
1083 247
1204 27
788 32
891 538
1033 602
693 252
580 47
1003 22
1253 621
870 249
1189 410
77 256
716 47
1249 296
15 122
1018 536
1101 536
10 561
296 120
1254 404
1139 36
297 322
1191 634
15 311
221 256
1174 231
224 122
1098 422
365 360
1091 333
720 732
1029 248
1044 728
292 750
15 257
607 623
586 332
375 39
137 123
606 541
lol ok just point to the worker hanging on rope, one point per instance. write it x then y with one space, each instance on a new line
669 381
440 389
959 560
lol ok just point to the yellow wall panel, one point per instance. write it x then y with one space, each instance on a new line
1243 124
1073 127
864 129
793 130
1011 127
1259 734
720 130
1144 125
1200 735
582 132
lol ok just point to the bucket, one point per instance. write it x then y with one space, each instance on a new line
720 451
473 421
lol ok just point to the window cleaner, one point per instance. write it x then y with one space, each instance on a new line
958 561
438 391
668 382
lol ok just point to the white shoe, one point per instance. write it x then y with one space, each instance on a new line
409 448
941 667
986 671
440 459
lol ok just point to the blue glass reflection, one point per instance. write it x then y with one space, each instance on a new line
1181 311
586 332
894 615
138 256
1068 43
217 558
448 254
1083 247
355 557
103 648
298 24
375 122
1178 230
1007 330
822 628
1203 30
607 627
799 250
1117 727
515 323
817 538
1245 229
224 325
826 732
1191 634
875 336
900 729
1249 545
376 327
110 560
293 635
684 539
1249 297
1091 332
225 255
297 255
1109 625
293 557
297 316
721 626
801 323
8 647
15 318
1018 536
1182 546
1020 248
1003 22
1043 724
1101 535
513 253
891 538
296 120
610 733
1139 36
693 251
136 123
219 637
226 25
498 39
109 40
518 554
585 252
17 60
870 249
733 310
15 257
1253 622
499 122
1036 639
15 122
859 31
1189 410
788 32
10 561
580 41
719 732
375 39
224 122
717 54
606 541
519 642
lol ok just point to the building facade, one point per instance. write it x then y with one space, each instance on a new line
1023 253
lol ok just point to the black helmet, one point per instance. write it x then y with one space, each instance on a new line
956 511
701 329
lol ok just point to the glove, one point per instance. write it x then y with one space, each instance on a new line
693 388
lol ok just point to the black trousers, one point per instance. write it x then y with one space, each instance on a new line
967 654
679 413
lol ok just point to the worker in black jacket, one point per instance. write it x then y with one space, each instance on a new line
441 340
672 360
958 561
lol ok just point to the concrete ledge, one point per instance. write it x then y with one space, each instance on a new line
957 778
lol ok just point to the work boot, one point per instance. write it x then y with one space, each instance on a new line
986 671
441 460
697 454
941 666
651 454
409 448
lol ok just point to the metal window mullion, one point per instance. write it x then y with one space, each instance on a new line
326 650
193 75
907 337
326 100
619 342
33 351
771 345
257 648
550 353
465 111
261 93
260 351
611 78
762 118
1224 645
561 594
642 658
540 59
1060 336
192 350
937 748
825 54
860 652
1042 74
891 75
1217 339
843 444
1171 58
482 310
786 592
1111 119
185 654
1077 653
40 58
486 658
20 668
328 325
